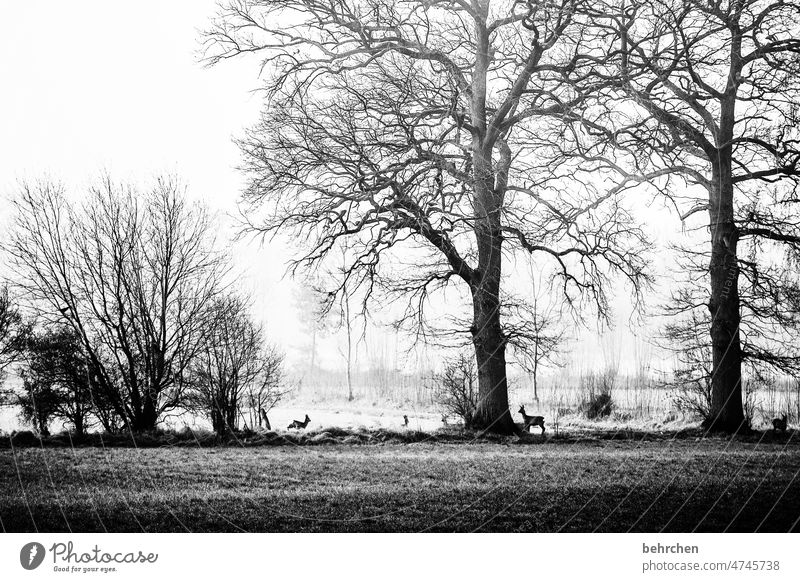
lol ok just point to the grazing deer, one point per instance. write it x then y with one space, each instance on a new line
263 417
531 420
405 420
779 424
300 424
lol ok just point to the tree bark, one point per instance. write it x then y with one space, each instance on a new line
78 421
536 371
147 415
489 183
217 418
726 382
492 412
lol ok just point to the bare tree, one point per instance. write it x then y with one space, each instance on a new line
344 319
543 332
769 323
235 368
455 388
701 103
134 274
419 134
347 323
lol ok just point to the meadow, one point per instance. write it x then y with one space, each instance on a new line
646 483
645 467
641 398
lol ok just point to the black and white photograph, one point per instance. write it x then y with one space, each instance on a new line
398 266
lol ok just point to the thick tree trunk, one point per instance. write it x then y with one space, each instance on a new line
43 424
726 382
231 415
492 412
79 422
217 418
490 180
147 416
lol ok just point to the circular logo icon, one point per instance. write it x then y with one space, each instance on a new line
31 555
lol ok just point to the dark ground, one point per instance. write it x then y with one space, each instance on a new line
634 484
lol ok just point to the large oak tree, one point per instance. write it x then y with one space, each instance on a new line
426 134
701 102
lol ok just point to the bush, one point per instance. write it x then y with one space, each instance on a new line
455 390
24 438
598 402
599 405
692 394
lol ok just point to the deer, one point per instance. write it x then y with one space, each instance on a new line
405 420
531 420
444 420
779 424
299 423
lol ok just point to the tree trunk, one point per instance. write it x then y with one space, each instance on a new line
492 412
217 419
43 422
726 377
231 415
349 348
147 416
79 424
536 371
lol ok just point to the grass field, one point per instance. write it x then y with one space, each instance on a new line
604 485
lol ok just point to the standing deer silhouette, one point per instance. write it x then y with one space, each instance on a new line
530 421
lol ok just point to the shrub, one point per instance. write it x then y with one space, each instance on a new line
24 438
455 389
692 392
598 405
598 402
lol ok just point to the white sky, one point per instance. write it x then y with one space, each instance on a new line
94 86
